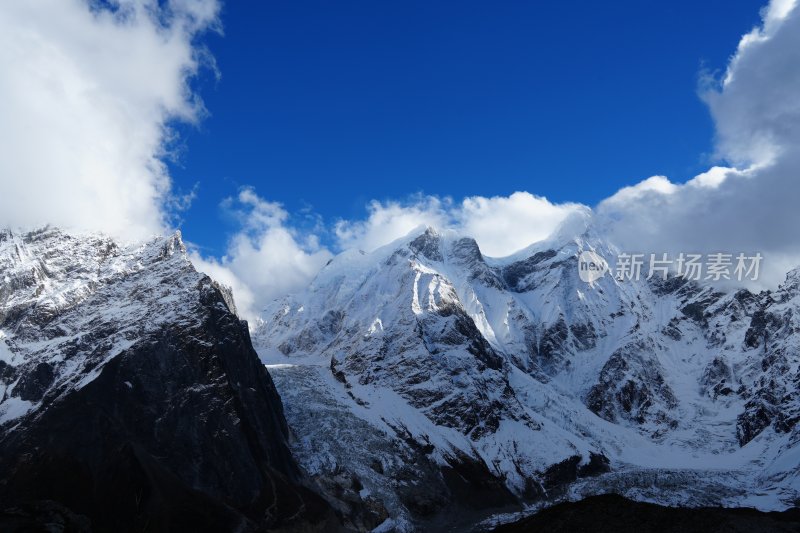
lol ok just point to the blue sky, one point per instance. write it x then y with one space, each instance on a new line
338 111
327 105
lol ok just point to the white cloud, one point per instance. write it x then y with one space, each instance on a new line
756 110
501 225
711 178
266 259
654 186
86 95
392 220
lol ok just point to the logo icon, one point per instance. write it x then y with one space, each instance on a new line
591 266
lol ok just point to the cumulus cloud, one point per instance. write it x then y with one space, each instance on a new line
387 221
87 94
267 258
270 256
751 205
756 110
501 225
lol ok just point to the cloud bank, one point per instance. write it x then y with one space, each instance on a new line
270 257
87 93
501 225
750 205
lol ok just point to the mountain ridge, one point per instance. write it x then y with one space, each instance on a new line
422 385
131 397
521 366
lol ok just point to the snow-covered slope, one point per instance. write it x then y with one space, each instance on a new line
671 391
59 292
131 398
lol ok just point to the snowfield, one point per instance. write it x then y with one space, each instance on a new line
672 392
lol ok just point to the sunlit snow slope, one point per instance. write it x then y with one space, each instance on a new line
670 391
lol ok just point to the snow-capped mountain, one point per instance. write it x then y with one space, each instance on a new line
131 398
424 386
424 376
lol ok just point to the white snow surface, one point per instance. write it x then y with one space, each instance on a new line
71 303
658 377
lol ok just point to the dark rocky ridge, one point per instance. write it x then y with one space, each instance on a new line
182 430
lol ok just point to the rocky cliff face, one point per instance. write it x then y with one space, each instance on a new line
516 370
131 398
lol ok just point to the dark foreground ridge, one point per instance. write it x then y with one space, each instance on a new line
614 514
173 426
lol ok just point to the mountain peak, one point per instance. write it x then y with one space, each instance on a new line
127 352
578 224
429 245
